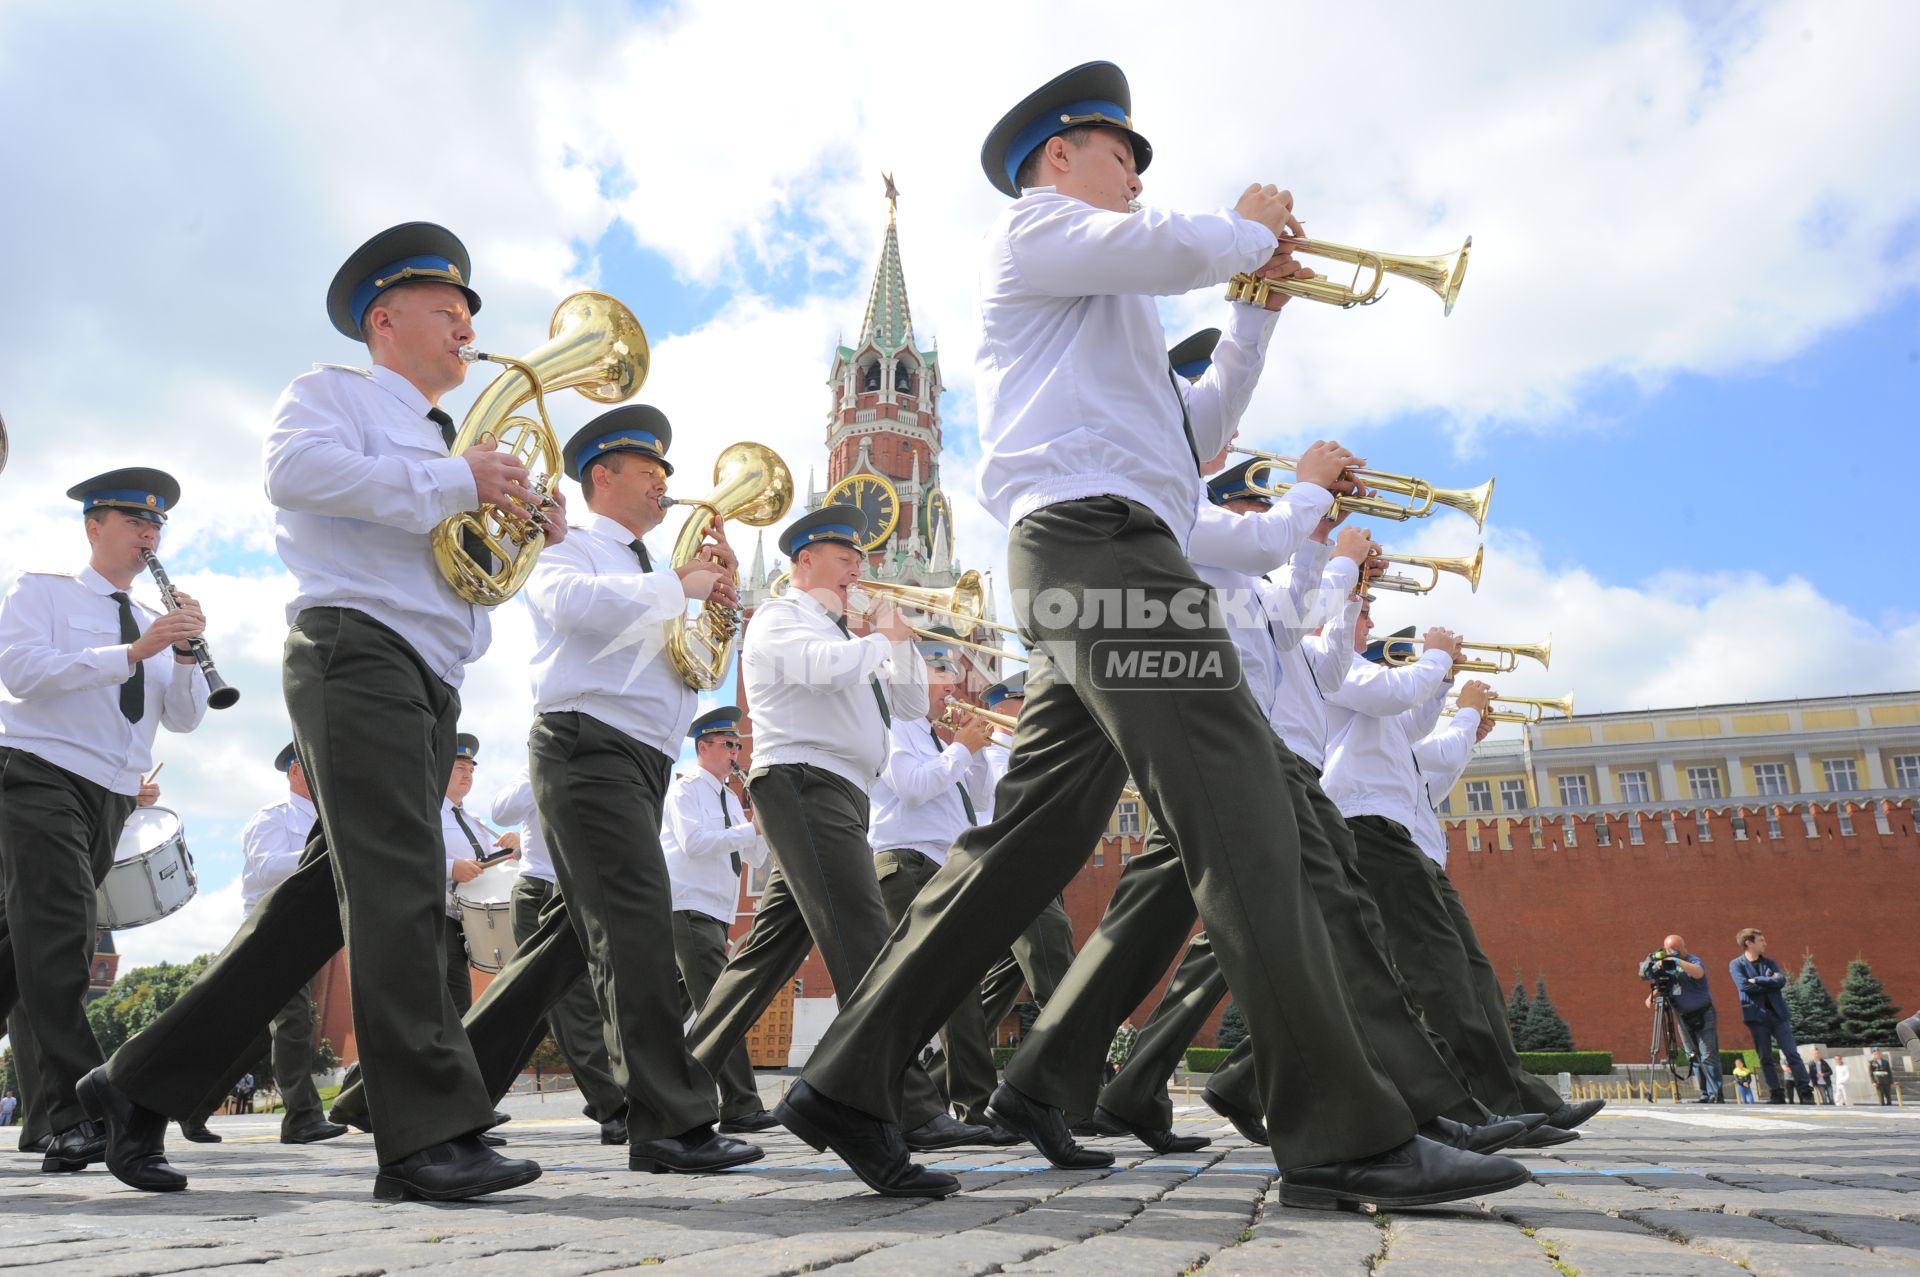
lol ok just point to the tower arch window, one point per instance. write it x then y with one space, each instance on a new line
870 376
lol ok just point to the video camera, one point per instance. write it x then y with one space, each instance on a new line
1661 969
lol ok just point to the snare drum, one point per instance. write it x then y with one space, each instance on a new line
152 874
486 915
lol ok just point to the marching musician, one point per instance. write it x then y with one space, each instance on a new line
1091 453
824 702
1373 777
708 839
575 1020
89 676
357 465
930 791
468 844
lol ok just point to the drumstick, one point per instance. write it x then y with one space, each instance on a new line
148 779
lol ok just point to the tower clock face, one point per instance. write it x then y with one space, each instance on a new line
876 499
936 513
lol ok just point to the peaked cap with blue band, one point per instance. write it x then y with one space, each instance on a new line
844 524
1194 355
935 642
397 255
1093 93
285 758
141 491
1007 688
637 427
1399 641
717 722
466 745
1233 485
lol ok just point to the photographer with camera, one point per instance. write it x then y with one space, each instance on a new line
1681 977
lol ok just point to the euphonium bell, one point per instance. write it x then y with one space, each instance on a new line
753 485
1442 273
596 347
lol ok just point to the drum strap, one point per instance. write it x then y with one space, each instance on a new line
465 828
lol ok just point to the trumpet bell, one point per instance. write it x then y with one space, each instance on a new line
1443 273
1472 502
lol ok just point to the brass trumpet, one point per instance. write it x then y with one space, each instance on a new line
1422 497
957 709
1505 661
1535 710
965 601
1466 565
1443 273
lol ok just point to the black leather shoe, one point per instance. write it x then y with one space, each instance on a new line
1420 1172
1545 1135
941 1132
1000 1137
1568 1116
1528 1120
452 1172
1776 1097
499 1119
358 1119
1806 1095
1252 1126
1045 1128
75 1149
136 1136
197 1133
36 1147
613 1131
1487 1137
492 1141
693 1153
748 1123
873 1149
313 1132
1159 1141
1096 1127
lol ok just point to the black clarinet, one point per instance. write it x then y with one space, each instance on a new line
746 799
219 694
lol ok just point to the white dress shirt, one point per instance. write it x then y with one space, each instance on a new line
273 841
62 664
1231 552
514 806
600 629
1377 715
1314 666
916 801
701 830
359 476
459 847
1443 755
809 688
1075 395
995 761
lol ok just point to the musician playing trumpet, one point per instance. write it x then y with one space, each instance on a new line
90 677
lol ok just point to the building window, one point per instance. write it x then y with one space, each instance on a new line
1739 826
1602 834
1666 827
870 377
1806 814
1703 782
1841 775
1130 819
1770 779
1701 828
1446 805
1773 824
1569 835
1479 796
1906 771
1635 835
1845 814
1473 838
1573 791
1126 858
1634 788
1880 825
1513 795
1099 857
1533 833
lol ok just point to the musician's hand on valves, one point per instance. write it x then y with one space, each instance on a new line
1442 640
554 517
1272 208
466 870
888 620
499 478
1356 544
974 732
701 581
1476 695
173 630
716 549
1325 465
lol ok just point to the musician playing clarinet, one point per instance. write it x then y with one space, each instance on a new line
90 675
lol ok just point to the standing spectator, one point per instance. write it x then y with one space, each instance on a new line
1763 1006
1842 1074
7 1105
1880 1069
1743 1080
1822 1074
1123 1040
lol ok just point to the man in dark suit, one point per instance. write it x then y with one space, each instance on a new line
1763 1006
1821 1072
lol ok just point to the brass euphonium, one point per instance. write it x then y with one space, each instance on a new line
596 347
753 485
1443 273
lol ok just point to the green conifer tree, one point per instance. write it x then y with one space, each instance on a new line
1815 1017
1517 1009
1544 1030
1867 1014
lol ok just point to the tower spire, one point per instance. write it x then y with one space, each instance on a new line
888 323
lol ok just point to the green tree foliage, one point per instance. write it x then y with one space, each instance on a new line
138 997
1517 1008
1867 1014
1233 1028
1543 1029
1815 1017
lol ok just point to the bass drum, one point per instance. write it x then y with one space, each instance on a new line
486 915
152 874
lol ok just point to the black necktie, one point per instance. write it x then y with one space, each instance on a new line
966 800
469 541
461 820
640 552
725 819
879 697
133 692
1186 422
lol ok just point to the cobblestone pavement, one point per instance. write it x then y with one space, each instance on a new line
1670 1190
